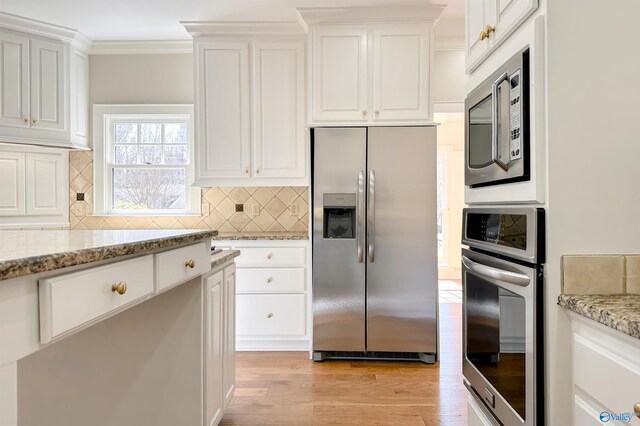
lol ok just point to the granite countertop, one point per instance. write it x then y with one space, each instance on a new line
223 257
618 311
262 236
29 252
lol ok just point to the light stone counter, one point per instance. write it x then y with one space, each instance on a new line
29 252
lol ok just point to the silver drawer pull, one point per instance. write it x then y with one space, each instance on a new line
269 280
269 256
269 315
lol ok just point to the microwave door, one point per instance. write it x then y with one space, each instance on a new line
501 123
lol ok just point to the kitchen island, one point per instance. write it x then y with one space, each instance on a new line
115 328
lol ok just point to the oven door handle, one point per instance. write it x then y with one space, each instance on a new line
495 147
495 273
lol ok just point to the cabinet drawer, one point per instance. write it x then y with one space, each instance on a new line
615 384
270 280
271 256
271 315
175 266
69 301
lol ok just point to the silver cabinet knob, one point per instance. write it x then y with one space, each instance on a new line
269 280
269 315
269 256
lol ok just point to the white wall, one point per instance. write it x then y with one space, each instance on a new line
449 77
157 78
593 153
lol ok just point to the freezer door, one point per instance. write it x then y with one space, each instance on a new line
339 166
402 286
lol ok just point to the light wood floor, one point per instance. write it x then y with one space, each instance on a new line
286 388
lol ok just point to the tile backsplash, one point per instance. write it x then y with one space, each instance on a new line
265 209
601 274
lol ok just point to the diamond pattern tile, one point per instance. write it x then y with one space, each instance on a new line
218 212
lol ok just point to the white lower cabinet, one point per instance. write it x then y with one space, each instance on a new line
606 374
476 415
229 344
219 341
273 297
214 404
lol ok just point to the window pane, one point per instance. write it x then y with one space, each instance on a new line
175 155
175 133
151 154
125 133
151 133
147 189
126 154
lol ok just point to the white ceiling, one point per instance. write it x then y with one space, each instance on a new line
159 19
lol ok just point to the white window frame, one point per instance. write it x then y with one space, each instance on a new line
104 116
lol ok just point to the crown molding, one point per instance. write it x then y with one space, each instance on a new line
243 28
44 29
141 47
407 13
449 43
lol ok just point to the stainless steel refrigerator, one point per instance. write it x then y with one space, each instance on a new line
375 288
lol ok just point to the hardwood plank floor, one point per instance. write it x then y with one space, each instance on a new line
287 388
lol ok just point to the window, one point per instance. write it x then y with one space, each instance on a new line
143 160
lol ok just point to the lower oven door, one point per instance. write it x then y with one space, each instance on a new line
500 349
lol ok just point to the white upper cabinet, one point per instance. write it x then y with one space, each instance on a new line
44 184
43 84
14 80
34 186
401 74
249 106
223 111
489 23
47 85
340 82
278 110
370 65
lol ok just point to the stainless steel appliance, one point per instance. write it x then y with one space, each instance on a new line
375 288
502 276
497 126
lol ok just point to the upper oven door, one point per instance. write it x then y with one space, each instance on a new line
499 329
496 138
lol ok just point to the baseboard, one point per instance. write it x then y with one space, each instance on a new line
272 345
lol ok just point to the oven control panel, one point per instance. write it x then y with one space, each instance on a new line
509 230
515 109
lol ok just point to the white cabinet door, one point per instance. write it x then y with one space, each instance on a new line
223 110
475 414
510 14
14 80
478 14
229 345
340 75
47 85
12 173
79 98
44 183
213 298
278 110
401 59
504 16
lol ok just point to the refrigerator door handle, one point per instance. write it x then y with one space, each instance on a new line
360 212
371 216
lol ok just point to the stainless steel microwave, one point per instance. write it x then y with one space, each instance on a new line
497 126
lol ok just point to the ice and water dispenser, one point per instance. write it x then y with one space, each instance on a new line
339 216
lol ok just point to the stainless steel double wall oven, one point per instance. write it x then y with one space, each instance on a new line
502 277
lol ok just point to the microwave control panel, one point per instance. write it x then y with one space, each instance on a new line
515 109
